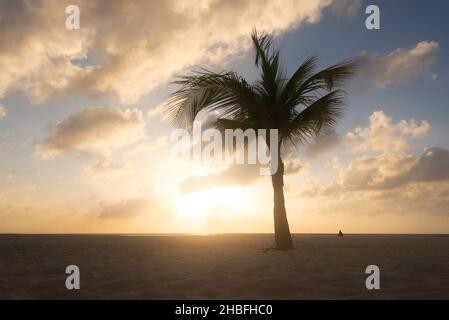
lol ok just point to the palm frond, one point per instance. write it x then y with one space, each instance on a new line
262 44
298 107
209 91
322 113
329 78
304 72
272 76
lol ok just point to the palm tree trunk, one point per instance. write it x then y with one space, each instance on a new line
282 234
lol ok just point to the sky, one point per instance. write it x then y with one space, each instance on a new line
84 142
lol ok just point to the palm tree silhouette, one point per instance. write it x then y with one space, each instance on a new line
298 107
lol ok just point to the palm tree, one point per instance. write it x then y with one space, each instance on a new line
298 107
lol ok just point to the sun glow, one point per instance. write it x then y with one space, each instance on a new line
212 209
200 204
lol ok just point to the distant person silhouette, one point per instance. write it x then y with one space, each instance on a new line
340 234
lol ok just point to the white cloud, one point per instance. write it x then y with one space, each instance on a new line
93 129
129 208
310 188
346 7
293 165
147 145
391 184
402 64
392 181
386 172
157 111
36 49
3 111
105 167
323 143
367 173
129 49
384 135
234 175
432 166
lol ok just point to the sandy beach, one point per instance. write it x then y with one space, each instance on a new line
223 267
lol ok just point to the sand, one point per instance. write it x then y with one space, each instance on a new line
223 267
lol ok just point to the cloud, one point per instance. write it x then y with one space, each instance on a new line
239 175
36 49
384 135
105 167
3 111
370 173
392 181
93 129
310 188
390 184
417 201
128 208
129 49
236 175
346 8
401 64
147 145
158 111
293 166
387 172
432 166
323 143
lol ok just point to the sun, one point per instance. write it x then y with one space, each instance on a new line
199 205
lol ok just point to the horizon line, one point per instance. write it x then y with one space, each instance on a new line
209 233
